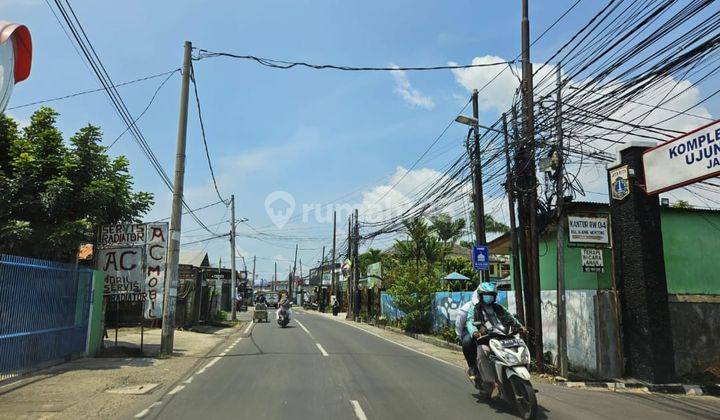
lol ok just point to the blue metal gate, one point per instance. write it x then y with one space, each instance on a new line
44 310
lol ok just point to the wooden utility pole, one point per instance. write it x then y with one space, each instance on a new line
478 197
233 256
560 208
510 188
334 285
171 277
527 186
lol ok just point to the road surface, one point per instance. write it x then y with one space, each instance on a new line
319 368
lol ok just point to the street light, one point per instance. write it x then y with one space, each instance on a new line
463 119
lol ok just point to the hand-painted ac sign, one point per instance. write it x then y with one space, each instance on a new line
619 183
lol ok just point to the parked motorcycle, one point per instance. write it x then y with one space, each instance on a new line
283 317
510 357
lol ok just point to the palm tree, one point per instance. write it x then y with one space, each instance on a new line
447 229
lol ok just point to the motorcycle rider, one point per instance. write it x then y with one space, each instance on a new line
490 314
284 303
469 347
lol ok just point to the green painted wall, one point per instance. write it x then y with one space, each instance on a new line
575 279
691 241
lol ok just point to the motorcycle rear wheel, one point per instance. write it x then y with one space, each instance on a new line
525 400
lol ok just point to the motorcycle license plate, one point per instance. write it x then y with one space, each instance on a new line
512 342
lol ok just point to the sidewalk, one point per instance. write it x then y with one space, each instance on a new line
109 387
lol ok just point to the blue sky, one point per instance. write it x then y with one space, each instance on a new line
318 135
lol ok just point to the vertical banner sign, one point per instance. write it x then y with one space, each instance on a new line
684 160
156 251
132 258
592 260
481 257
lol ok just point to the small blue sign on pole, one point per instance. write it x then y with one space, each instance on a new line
481 257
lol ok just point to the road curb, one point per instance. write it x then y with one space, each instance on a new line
682 389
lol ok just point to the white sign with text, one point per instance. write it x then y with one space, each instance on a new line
588 230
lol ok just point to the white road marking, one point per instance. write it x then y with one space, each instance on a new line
304 329
402 345
322 350
155 404
212 362
359 413
176 389
247 330
189 380
142 413
224 353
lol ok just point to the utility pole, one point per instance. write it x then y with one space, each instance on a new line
348 283
334 291
233 276
292 279
527 185
171 277
253 275
274 286
510 188
356 265
560 208
322 271
478 198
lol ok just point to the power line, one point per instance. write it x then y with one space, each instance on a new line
202 130
284 65
85 92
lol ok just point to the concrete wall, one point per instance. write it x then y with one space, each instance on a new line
696 337
95 323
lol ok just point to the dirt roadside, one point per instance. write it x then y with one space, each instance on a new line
109 387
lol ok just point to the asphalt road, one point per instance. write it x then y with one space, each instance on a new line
318 368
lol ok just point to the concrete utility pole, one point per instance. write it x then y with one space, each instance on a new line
356 265
253 275
348 282
510 188
274 286
478 198
527 185
171 277
233 277
292 279
560 207
332 282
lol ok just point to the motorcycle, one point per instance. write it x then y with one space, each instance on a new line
510 358
283 317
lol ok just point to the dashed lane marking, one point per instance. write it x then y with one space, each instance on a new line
189 380
142 413
176 389
249 327
212 362
322 350
359 413
304 329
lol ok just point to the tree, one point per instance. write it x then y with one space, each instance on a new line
55 194
492 225
681 204
370 257
447 229
412 292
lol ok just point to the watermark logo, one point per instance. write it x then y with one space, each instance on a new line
280 206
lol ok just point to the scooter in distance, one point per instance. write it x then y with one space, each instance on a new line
283 317
510 358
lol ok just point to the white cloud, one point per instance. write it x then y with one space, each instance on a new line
411 95
498 94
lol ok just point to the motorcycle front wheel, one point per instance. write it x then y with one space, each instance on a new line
525 400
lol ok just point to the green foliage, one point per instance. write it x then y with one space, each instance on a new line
421 245
681 204
370 257
55 193
460 265
448 334
412 292
447 229
492 225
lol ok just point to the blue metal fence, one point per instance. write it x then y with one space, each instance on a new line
44 310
